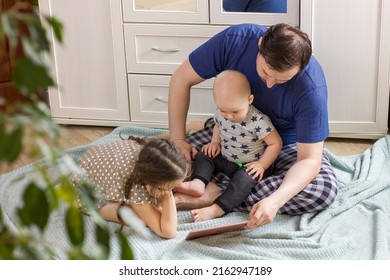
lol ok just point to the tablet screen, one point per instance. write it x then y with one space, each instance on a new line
215 230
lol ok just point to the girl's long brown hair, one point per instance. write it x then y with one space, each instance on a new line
159 162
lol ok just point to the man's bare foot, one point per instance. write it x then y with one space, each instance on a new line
190 127
194 187
212 191
207 213
194 125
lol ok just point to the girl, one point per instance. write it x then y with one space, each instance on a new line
137 173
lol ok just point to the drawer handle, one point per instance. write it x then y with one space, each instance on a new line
161 100
157 49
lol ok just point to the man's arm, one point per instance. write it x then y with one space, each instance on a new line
306 168
178 103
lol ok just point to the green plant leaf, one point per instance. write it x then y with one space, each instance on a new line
66 192
29 77
35 210
11 144
31 51
103 239
75 225
77 253
2 134
38 34
10 141
1 219
10 29
88 195
51 192
57 27
126 252
8 245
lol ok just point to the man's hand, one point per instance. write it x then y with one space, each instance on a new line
185 148
262 213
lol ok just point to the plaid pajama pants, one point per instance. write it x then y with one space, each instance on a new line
318 195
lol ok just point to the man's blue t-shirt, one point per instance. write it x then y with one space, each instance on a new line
297 108
255 6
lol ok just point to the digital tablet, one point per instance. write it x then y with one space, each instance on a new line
215 230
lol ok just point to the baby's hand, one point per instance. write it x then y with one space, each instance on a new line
212 149
255 169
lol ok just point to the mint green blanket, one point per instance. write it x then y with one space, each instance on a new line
356 226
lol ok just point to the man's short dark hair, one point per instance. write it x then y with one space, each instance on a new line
284 47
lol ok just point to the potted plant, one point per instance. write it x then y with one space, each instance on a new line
24 30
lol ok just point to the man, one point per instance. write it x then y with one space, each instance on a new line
289 86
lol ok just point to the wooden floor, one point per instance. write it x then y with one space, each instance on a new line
73 136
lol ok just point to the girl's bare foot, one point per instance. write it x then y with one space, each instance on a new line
194 187
207 213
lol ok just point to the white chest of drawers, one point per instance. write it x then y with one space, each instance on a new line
118 55
153 52
157 40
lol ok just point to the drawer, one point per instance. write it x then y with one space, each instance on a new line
149 99
167 11
161 49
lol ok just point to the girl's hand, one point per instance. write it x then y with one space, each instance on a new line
255 170
165 193
158 193
212 149
164 197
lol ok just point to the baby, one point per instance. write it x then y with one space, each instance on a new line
243 146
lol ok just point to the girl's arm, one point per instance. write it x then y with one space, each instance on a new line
163 224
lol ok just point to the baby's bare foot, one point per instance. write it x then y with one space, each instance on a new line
207 213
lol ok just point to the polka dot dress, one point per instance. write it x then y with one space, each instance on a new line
108 166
